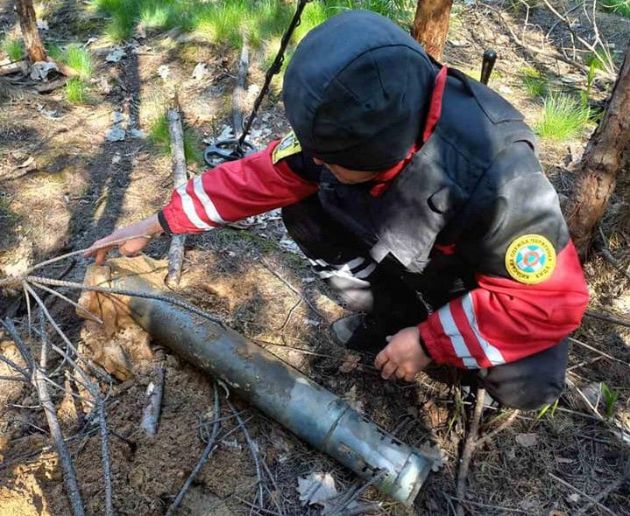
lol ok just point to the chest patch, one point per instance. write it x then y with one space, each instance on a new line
530 259
288 146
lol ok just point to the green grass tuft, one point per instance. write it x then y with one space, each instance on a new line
76 91
534 82
621 7
563 117
79 59
160 137
226 21
13 48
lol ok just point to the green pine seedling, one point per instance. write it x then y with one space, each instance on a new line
610 398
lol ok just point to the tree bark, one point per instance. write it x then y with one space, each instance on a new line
28 24
176 132
607 155
430 26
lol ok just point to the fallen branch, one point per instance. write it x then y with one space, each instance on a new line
253 451
582 493
151 413
238 97
607 491
542 51
176 132
210 447
607 318
69 473
490 435
469 447
598 351
17 67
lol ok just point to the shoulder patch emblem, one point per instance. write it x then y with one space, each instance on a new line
530 259
288 146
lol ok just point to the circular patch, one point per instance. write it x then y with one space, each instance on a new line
530 259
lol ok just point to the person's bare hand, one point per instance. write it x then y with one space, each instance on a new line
130 240
403 357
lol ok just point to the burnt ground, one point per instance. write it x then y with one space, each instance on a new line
84 186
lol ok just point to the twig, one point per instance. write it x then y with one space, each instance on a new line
541 51
176 132
607 318
292 288
14 379
602 495
490 435
210 447
598 351
238 97
256 507
123 292
69 473
151 412
469 447
582 493
488 506
86 313
98 401
252 449
107 470
22 347
342 508
275 486
15 367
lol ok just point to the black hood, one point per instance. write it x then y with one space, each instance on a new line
357 90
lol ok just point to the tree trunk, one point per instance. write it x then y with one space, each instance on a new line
607 154
430 26
32 42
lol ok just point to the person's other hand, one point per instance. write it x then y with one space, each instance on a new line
403 357
130 240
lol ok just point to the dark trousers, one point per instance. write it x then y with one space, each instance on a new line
397 299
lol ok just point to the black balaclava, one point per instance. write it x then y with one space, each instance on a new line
357 91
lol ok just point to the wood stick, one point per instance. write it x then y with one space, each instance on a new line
602 495
107 470
607 318
151 413
238 97
69 472
18 66
500 428
582 493
253 450
598 351
469 448
209 449
176 132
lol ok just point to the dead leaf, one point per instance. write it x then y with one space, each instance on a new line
316 488
527 440
350 363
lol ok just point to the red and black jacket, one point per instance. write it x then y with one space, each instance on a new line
473 193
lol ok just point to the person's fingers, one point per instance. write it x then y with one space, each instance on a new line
388 370
101 254
409 377
380 359
401 373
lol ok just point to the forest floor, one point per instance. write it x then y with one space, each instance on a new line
79 187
